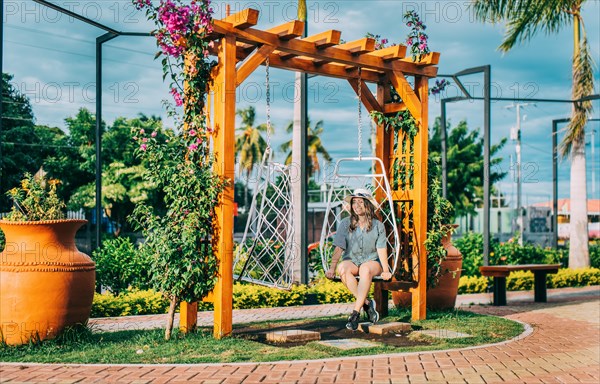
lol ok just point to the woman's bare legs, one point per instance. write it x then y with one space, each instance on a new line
360 289
348 272
366 272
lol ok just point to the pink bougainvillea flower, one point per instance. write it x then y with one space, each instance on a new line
176 97
143 147
153 134
193 147
192 132
142 131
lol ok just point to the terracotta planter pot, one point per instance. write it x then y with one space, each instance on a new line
45 282
443 296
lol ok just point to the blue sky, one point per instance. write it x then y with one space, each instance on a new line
53 60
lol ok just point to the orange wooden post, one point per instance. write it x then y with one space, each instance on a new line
224 119
419 297
188 316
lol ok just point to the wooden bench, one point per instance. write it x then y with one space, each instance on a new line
501 272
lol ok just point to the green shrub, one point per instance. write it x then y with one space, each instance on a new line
580 277
595 255
471 247
329 292
513 253
520 281
556 256
120 265
2 241
129 303
472 284
256 296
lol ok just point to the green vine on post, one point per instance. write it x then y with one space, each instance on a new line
180 241
440 211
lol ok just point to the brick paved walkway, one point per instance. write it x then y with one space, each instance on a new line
562 345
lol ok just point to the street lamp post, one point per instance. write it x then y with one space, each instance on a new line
517 137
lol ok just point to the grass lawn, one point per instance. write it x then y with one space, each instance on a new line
247 343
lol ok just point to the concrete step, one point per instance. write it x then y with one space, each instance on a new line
385 328
292 335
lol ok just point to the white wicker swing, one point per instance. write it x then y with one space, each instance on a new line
267 251
342 183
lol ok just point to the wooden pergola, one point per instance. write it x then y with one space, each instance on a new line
241 49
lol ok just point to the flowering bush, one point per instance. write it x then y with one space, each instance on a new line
417 39
439 86
36 200
180 240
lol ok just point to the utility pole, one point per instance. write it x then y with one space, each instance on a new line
593 143
517 136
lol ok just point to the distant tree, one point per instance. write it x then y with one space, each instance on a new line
122 173
250 145
24 145
465 165
314 147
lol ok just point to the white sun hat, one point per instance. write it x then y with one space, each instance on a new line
364 193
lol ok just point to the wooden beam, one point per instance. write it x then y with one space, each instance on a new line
334 54
321 40
432 58
385 139
407 94
359 46
330 70
390 53
419 297
289 30
252 62
368 100
243 19
325 39
224 143
307 65
188 316
391 108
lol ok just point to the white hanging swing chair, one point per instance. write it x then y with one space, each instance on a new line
343 182
266 254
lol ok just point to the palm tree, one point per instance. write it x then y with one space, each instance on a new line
525 18
250 146
314 147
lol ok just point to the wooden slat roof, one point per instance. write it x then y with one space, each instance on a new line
321 53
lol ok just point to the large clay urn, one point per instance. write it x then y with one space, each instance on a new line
443 295
46 284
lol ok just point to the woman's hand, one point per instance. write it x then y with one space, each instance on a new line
386 276
330 274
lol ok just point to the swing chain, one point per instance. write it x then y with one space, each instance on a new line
268 85
359 114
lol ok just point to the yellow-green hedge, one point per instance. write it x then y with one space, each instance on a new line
325 291
244 296
129 303
472 284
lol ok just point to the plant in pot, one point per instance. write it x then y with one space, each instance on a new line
46 283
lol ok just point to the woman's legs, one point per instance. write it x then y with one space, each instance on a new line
366 272
348 272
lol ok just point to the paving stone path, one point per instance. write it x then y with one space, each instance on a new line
561 345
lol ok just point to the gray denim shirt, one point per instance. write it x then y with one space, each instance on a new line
360 246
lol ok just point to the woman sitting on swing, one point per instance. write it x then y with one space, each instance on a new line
360 241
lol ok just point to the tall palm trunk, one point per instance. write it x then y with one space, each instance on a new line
578 227
578 243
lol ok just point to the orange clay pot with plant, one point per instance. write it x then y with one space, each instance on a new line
46 284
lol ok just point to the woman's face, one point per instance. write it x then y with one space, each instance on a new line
358 206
